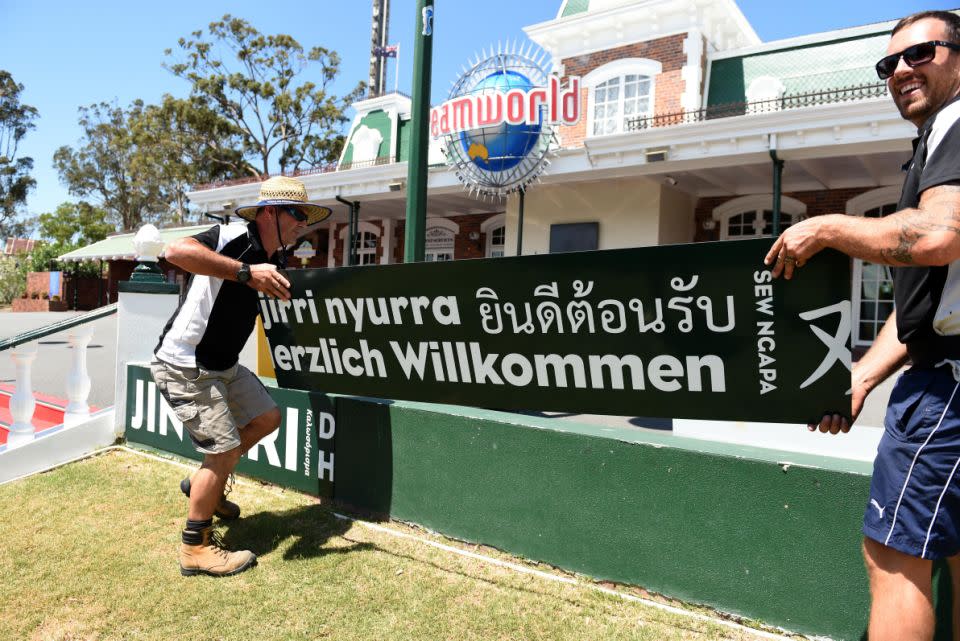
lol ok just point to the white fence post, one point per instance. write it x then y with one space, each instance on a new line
145 302
22 403
78 381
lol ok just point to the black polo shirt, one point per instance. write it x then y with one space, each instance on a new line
215 318
924 295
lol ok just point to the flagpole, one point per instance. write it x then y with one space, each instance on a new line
396 72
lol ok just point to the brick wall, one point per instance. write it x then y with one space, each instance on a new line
463 246
340 244
832 201
668 85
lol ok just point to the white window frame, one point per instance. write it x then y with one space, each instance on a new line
618 69
362 227
756 203
857 206
450 228
487 227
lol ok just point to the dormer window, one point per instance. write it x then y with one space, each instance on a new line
619 92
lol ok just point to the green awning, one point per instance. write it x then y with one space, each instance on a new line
120 247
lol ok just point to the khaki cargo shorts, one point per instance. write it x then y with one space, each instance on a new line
212 404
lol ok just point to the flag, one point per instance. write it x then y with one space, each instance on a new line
390 51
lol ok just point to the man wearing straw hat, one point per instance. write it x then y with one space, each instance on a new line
224 406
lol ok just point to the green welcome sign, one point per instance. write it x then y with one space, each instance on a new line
300 454
682 331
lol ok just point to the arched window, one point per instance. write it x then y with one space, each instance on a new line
752 216
367 243
618 92
495 228
440 237
872 283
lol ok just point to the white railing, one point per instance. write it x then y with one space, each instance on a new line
23 348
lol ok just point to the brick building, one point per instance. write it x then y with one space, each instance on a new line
683 114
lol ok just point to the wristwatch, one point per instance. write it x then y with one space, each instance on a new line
243 274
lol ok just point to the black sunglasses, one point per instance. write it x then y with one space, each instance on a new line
918 54
296 213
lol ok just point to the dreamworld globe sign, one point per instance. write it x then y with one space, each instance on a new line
498 126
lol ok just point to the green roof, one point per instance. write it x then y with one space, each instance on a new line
574 7
120 246
821 66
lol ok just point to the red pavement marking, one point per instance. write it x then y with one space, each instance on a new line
48 413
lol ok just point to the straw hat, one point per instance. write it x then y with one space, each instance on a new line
281 190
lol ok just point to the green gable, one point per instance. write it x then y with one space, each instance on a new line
805 69
379 120
574 7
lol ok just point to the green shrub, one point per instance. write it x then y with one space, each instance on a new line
13 279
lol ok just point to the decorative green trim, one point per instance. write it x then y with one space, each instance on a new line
147 287
379 120
403 140
147 272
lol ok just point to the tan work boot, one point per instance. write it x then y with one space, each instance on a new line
202 553
226 510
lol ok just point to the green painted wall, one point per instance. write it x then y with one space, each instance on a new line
379 120
403 140
812 68
739 533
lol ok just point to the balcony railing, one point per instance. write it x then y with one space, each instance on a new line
794 101
321 169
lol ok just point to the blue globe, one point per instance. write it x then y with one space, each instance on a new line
501 147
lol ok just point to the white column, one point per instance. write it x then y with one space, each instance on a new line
78 381
386 241
141 318
331 245
22 402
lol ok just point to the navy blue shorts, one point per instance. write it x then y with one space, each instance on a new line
914 503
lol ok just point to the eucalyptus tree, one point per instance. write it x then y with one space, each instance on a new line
16 120
274 92
105 167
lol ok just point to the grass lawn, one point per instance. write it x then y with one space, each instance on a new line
89 551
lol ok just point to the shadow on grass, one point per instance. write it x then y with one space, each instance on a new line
311 526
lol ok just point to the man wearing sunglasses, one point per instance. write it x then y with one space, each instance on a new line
223 406
913 513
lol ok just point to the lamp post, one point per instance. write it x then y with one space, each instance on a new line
414 241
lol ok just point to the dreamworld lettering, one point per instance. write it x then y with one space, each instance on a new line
549 105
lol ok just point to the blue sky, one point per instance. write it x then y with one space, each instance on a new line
73 54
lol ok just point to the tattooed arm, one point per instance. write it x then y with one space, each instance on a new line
927 235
